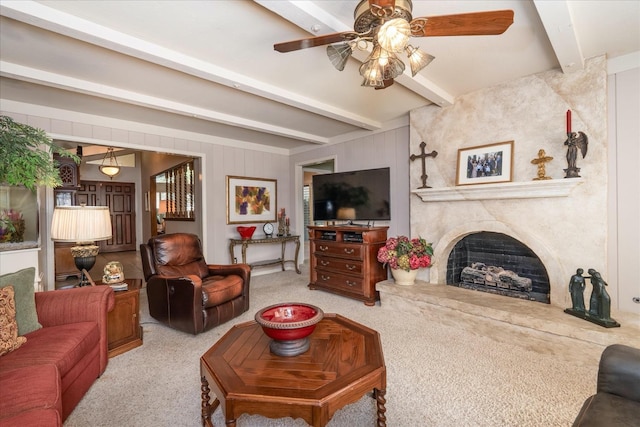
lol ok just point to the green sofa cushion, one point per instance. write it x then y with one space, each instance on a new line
26 315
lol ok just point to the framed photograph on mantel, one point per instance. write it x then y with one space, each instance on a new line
485 164
251 200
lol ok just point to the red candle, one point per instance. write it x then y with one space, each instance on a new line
568 122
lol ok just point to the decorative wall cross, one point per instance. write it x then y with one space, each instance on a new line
423 156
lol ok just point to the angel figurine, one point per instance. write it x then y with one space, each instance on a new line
574 142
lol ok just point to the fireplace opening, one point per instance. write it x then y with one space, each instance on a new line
498 264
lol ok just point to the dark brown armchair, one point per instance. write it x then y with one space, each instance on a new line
184 291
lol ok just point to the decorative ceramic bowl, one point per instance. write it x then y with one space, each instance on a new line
289 326
246 232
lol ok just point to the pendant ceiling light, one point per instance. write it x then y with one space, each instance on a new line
110 165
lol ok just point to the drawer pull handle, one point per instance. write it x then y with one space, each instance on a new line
323 248
325 278
351 283
349 251
324 263
350 267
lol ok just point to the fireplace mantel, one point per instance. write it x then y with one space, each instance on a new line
509 190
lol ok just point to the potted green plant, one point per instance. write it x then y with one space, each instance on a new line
26 156
11 226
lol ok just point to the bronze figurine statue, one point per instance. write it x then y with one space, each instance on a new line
599 302
576 287
574 142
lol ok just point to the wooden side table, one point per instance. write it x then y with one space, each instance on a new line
123 322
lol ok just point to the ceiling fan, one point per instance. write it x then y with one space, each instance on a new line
385 26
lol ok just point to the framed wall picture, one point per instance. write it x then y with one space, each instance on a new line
485 164
251 200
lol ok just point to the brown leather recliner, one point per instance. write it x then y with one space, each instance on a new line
184 291
617 400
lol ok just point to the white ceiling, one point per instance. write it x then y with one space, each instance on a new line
208 67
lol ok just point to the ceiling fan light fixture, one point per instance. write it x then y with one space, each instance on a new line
112 168
393 35
391 65
418 59
380 66
373 82
372 72
339 54
388 25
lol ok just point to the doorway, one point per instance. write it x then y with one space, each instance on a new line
304 202
120 197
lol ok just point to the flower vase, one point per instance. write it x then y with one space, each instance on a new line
403 277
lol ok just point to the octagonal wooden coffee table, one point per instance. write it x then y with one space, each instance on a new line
343 363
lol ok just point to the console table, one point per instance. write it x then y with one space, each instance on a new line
267 240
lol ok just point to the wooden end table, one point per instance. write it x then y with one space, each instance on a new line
123 322
343 363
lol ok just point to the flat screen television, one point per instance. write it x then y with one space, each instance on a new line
362 195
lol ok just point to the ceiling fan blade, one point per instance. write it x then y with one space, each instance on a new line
314 41
464 24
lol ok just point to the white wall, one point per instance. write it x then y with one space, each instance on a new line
220 158
383 149
624 185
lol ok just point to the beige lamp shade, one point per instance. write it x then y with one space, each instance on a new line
81 224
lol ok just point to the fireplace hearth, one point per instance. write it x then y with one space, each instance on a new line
499 264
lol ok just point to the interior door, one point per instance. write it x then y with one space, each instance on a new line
120 197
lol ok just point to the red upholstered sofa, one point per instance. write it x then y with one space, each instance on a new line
42 381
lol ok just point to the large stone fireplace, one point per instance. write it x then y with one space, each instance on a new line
537 215
562 221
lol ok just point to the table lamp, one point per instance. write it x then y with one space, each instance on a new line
82 225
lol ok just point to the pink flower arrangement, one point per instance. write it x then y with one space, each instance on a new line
406 254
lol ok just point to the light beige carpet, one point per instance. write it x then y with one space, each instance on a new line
437 375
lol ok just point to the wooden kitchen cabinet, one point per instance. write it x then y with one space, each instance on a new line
344 260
